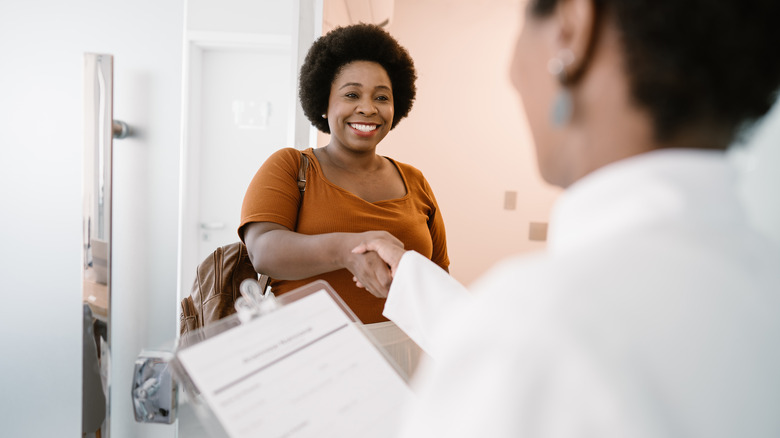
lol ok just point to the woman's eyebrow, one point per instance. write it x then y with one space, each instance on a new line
350 84
358 84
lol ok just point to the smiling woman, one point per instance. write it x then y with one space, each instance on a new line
356 84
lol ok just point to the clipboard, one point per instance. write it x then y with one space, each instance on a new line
296 366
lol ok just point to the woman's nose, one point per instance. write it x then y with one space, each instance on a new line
366 107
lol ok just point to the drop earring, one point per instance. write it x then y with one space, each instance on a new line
561 111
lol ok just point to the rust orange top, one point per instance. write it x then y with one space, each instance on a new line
415 219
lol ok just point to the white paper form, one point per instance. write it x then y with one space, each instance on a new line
304 370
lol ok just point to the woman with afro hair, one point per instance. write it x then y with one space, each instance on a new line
356 84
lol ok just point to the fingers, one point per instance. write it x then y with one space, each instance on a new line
376 282
376 257
378 292
386 237
358 283
371 273
383 244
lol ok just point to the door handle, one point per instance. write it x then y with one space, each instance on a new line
212 225
154 390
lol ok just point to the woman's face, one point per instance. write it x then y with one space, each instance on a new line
537 89
360 107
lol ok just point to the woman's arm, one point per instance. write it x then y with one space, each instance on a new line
286 255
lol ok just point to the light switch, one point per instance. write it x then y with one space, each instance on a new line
537 231
510 200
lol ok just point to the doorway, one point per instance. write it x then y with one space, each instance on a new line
243 120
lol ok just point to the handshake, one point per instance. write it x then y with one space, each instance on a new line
376 260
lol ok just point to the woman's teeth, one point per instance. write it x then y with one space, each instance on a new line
361 127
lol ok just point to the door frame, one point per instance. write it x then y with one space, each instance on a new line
306 27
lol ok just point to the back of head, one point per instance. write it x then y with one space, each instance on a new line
696 63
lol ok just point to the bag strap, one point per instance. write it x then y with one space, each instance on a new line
302 174
264 279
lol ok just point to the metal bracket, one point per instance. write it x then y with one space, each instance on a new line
154 391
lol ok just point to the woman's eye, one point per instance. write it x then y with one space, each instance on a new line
351 95
383 98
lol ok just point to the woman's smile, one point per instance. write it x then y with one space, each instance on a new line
364 129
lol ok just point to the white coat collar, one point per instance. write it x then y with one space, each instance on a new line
662 185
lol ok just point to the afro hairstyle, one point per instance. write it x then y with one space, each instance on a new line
343 45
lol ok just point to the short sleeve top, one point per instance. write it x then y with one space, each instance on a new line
415 218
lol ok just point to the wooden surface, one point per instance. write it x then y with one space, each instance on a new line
96 295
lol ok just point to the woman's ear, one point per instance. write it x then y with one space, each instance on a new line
577 34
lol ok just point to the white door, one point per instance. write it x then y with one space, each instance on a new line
244 116
239 111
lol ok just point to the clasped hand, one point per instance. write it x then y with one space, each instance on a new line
375 260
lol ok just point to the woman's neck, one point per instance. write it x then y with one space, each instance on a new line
350 161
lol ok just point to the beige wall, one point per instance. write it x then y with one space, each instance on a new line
467 132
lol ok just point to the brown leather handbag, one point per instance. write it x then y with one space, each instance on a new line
216 286
215 289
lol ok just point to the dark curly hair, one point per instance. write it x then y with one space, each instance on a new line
360 42
696 62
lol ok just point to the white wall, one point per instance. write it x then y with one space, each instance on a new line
467 130
41 61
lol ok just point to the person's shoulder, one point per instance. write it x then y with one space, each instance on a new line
531 283
286 157
407 169
530 270
286 154
509 300
414 176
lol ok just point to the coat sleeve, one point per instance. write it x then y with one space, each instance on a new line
515 362
420 294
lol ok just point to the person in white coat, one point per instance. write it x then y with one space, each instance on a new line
655 309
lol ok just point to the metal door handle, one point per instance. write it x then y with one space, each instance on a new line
212 225
154 390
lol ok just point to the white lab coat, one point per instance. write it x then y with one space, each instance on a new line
654 312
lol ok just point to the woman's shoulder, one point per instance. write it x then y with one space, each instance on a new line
415 180
287 157
409 171
286 154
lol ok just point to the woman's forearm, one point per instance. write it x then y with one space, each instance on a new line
287 255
